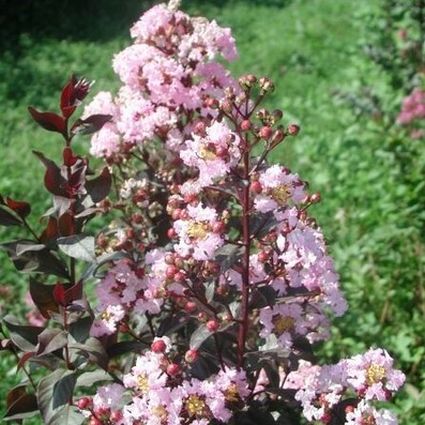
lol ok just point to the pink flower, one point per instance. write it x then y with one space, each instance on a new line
107 323
373 373
196 233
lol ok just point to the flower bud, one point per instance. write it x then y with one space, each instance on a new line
278 136
191 355
314 198
199 128
256 187
212 325
263 256
169 259
277 114
218 227
222 152
171 233
293 129
176 214
266 132
171 271
245 125
158 346
180 277
84 403
173 369
190 307
266 85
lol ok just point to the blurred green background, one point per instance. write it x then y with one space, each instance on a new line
340 72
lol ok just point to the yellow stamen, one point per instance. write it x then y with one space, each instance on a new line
143 383
283 324
160 412
195 406
374 374
206 153
198 230
232 394
281 194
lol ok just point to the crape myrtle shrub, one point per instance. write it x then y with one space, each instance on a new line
202 301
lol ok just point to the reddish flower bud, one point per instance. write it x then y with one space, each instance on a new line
190 307
158 346
171 271
256 186
218 227
293 129
266 132
191 356
245 125
315 198
212 325
263 256
199 128
171 233
84 403
173 369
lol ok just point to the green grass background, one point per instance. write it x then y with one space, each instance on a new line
368 172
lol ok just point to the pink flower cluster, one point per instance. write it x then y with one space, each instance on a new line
413 112
359 381
155 393
168 74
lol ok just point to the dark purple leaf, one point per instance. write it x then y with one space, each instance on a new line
72 94
53 180
81 247
20 404
21 208
42 297
7 218
99 187
24 337
91 124
51 340
48 120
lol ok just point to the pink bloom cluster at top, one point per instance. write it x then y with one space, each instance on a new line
413 108
369 377
168 73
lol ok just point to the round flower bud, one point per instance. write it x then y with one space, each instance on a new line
212 325
180 277
158 346
266 85
191 355
190 307
171 271
171 233
263 256
199 128
256 186
266 132
293 129
278 136
169 259
84 403
218 227
173 369
176 214
314 198
245 125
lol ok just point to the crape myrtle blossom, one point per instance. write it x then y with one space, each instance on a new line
213 153
169 69
199 232
370 377
279 187
413 108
